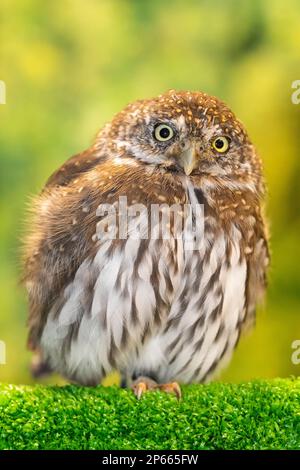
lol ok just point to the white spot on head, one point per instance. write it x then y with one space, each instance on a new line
209 131
134 113
180 122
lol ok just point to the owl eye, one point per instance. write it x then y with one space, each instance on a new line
220 144
163 132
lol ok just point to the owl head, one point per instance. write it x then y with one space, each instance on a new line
188 133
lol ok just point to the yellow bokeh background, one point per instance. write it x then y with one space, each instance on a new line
70 65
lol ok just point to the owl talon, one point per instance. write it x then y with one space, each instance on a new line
172 387
140 389
144 384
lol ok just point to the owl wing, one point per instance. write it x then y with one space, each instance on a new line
61 228
74 167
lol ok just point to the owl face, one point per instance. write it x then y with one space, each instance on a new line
184 132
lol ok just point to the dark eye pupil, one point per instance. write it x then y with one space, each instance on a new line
164 132
219 143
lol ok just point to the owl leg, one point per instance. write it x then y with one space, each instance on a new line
144 384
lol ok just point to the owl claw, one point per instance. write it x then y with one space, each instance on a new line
172 387
144 384
140 389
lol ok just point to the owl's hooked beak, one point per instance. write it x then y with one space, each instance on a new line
188 160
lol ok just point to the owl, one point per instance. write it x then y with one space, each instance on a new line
148 252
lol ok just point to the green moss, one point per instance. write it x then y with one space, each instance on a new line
255 415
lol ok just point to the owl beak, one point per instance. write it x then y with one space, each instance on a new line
188 160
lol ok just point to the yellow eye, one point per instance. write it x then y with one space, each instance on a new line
220 144
163 132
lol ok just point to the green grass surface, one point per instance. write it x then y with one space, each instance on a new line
254 415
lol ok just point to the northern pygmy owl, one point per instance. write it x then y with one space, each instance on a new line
150 306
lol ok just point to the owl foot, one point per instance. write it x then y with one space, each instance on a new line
172 387
144 384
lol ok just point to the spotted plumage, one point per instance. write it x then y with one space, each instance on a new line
149 306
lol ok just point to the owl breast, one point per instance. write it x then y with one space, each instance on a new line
155 307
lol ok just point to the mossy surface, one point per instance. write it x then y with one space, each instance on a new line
254 415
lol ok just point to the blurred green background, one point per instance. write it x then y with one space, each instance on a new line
70 65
